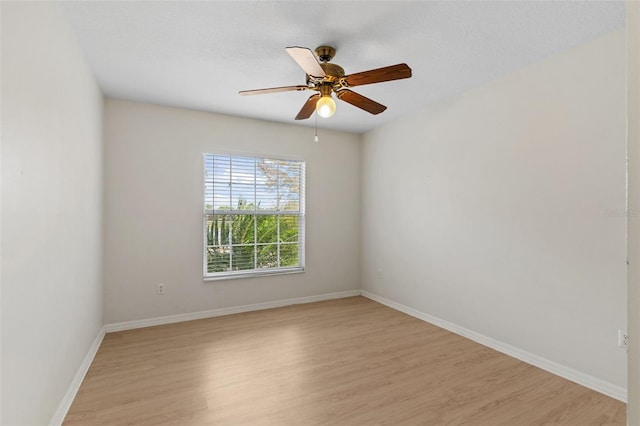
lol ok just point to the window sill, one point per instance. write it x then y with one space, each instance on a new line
253 274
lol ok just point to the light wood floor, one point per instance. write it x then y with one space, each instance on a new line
342 362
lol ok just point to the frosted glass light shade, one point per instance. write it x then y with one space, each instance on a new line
325 106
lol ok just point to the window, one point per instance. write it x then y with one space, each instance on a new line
253 216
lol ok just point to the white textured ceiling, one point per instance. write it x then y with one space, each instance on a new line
200 54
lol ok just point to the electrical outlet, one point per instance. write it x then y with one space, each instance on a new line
379 274
160 289
623 339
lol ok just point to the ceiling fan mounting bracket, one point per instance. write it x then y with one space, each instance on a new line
325 53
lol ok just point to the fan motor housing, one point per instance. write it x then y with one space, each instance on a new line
334 72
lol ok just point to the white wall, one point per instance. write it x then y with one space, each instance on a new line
492 210
153 209
633 232
51 211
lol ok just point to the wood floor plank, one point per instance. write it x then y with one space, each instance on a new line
341 362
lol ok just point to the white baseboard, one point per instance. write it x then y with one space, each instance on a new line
68 398
563 371
130 325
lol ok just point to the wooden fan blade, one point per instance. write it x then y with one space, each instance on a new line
393 72
272 90
307 61
360 101
308 107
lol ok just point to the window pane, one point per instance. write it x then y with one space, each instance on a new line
242 199
243 258
218 229
289 185
267 256
208 195
208 181
267 184
218 259
289 228
221 182
289 202
288 255
209 230
267 228
243 231
242 183
221 196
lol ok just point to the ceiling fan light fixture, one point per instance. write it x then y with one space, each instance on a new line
326 106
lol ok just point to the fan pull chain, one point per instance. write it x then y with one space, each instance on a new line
315 139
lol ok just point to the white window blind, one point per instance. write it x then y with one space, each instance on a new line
253 216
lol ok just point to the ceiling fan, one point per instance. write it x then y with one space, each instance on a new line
327 78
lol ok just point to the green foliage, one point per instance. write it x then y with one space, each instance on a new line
242 242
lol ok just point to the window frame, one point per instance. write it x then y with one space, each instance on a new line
300 214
